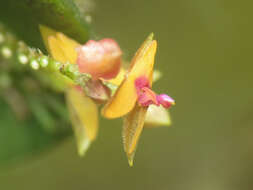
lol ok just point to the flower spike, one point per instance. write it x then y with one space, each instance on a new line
99 73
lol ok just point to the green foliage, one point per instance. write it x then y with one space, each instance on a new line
24 16
28 122
20 138
33 115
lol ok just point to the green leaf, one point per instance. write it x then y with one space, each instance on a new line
18 139
24 16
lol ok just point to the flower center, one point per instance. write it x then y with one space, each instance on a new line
147 97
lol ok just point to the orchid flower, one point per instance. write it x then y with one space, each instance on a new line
102 61
131 94
83 110
134 96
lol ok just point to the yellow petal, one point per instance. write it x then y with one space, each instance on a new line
84 118
60 47
157 116
119 78
125 97
133 125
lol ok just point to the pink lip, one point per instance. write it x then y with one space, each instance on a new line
147 97
165 100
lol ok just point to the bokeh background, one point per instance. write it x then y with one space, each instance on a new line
205 54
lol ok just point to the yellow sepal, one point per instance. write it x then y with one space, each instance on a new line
125 97
59 46
132 128
84 118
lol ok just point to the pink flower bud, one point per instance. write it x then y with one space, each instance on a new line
101 59
165 100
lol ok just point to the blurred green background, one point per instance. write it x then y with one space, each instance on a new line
205 54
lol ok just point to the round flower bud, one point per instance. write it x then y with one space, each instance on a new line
101 59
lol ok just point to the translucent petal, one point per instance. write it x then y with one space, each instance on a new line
132 128
157 116
84 118
156 75
125 97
